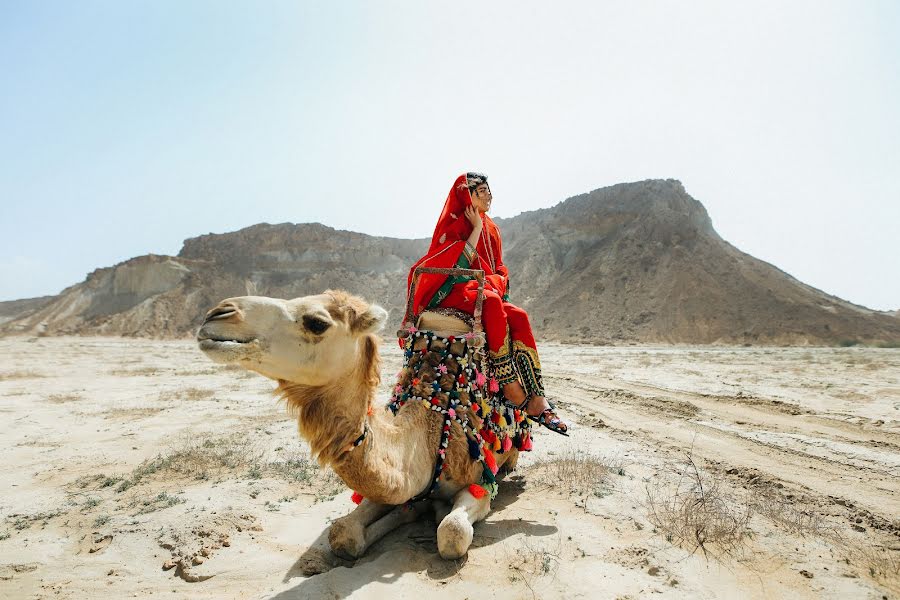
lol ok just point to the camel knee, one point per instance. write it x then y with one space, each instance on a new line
347 537
454 535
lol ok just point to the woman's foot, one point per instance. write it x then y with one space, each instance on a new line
541 412
537 408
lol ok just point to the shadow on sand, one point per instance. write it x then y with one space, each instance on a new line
410 549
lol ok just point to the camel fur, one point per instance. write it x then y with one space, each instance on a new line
322 351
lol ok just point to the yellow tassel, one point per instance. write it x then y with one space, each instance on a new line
497 444
502 423
485 410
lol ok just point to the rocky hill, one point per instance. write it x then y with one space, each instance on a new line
13 309
634 262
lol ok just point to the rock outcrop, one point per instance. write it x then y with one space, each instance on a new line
634 262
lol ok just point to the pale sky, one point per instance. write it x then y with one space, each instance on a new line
126 127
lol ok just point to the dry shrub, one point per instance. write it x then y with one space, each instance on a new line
790 514
143 371
881 564
530 561
580 472
20 375
63 398
197 393
197 459
696 511
191 393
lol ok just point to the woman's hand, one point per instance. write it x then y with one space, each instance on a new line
474 218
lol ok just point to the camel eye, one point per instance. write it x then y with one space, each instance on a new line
315 324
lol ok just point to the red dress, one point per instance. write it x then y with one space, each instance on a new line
511 345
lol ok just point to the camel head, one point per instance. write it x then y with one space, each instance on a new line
310 340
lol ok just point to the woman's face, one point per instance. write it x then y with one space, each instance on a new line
481 197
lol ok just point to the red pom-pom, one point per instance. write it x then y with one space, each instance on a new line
477 491
490 461
356 497
526 443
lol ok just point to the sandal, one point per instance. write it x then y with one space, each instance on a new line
547 418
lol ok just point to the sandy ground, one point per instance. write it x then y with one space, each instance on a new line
120 455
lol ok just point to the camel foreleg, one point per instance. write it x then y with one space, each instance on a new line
352 535
454 534
347 535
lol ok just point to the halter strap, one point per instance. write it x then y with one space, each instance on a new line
361 438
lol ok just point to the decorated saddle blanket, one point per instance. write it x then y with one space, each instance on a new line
452 376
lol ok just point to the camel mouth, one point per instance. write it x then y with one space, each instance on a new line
223 343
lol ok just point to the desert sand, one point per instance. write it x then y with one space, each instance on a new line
125 456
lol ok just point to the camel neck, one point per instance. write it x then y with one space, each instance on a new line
331 418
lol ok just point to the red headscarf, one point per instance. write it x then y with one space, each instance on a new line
447 243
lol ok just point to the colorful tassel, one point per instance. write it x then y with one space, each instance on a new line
507 443
477 491
474 451
356 498
526 443
490 461
480 379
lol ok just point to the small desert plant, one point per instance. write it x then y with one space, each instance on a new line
791 514
196 459
297 468
580 472
101 520
135 372
532 561
161 501
63 398
696 512
191 393
20 375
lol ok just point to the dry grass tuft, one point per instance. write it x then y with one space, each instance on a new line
231 457
191 393
576 472
63 398
790 514
141 372
198 459
9 375
532 561
881 564
695 511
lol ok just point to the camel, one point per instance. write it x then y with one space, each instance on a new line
322 351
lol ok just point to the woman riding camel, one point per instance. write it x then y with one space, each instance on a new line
466 237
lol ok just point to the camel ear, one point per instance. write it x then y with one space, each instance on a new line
370 321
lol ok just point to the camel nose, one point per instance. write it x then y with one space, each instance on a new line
225 310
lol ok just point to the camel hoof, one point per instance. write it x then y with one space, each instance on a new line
347 538
454 536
